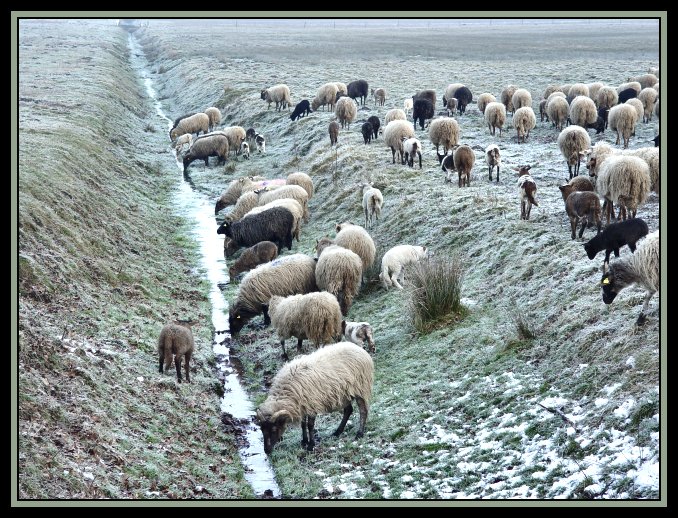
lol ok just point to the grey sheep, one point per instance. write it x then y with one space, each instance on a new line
641 268
495 116
584 205
572 141
313 316
202 148
339 271
262 252
346 111
278 94
287 275
176 339
324 381
359 333
444 131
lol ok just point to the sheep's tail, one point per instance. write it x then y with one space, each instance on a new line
531 199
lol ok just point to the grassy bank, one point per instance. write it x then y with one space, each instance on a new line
104 262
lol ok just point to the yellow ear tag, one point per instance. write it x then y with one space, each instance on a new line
606 281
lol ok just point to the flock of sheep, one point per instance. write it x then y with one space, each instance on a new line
309 297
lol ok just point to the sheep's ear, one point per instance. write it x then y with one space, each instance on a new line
562 187
343 326
281 417
605 267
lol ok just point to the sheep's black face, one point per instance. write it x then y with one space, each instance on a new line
589 250
273 433
236 321
609 292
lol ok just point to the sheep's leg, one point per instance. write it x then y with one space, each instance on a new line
642 318
497 173
187 359
632 247
304 437
299 342
362 407
267 319
285 357
573 226
584 224
310 424
393 153
366 213
162 357
420 160
490 168
348 410
394 279
177 364
168 357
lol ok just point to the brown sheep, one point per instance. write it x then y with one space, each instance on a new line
261 253
176 339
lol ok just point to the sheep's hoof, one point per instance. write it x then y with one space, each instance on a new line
359 435
641 320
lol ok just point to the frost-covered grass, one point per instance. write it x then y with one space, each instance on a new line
540 391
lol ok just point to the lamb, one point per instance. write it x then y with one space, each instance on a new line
302 180
584 205
275 224
393 262
394 133
641 268
358 332
373 200
176 339
607 97
245 150
367 130
375 122
615 236
628 93
622 120
339 271
576 90
411 148
645 80
463 158
393 115
407 107
521 97
527 188
193 124
422 111
572 141
451 106
184 140
429 95
279 94
358 88
262 252
495 116
321 382
334 132
576 184
647 96
507 97
557 110
444 131
624 180
583 111
542 111
346 111
214 116
288 275
493 159
205 147
464 97
295 192
327 95
604 113
484 100
260 141
379 96
523 121
302 109
450 92
288 203
357 239
315 316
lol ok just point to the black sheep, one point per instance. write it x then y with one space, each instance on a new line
302 109
374 120
463 96
422 110
358 88
656 141
599 125
367 131
615 236
274 224
627 94
603 113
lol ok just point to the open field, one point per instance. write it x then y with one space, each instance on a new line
461 412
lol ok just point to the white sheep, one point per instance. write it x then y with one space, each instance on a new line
373 200
607 97
214 116
302 180
346 111
507 97
394 133
339 271
572 141
327 95
641 268
341 88
493 159
647 96
631 84
484 100
279 94
622 120
185 140
576 90
557 110
407 107
594 88
551 89
521 97
444 131
393 262
193 124
523 121
357 239
411 149
358 333
583 111
449 93
315 316
645 80
495 116
321 382
394 115
624 180
638 105
294 192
